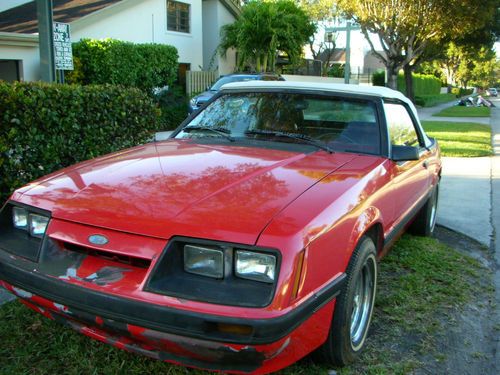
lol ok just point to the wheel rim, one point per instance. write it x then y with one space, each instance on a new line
364 293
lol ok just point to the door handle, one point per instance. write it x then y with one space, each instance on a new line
425 164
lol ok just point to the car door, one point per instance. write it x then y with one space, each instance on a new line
410 179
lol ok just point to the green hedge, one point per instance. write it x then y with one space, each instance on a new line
123 63
432 100
423 84
45 127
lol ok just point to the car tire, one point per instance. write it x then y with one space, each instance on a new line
353 308
425 221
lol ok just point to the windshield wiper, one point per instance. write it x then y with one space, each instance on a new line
220 131
300 137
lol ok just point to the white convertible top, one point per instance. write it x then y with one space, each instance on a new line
379 91
375 91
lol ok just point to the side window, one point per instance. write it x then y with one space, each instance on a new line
401 127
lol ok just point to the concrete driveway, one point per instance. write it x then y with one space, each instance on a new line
469 199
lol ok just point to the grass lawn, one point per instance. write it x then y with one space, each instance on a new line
460 139
420 282
459 111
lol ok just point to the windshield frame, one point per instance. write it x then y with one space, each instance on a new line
375 99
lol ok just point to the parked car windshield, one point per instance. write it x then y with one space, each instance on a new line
224 80
341 124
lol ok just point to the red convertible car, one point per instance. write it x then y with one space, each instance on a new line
247 240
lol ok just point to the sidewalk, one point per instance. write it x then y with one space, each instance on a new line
495 214
426 114
469 199
465 197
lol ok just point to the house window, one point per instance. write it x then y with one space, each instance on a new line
178 16
10 70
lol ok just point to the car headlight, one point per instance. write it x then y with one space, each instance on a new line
255 266
38 225
204 261
216 272
20 218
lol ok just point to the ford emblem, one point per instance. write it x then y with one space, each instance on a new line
98 239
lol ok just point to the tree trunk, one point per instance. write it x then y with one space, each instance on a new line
392 77
264 63
408 70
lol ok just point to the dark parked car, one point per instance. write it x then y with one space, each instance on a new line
244 242
202 98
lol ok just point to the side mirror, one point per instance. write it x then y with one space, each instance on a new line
208 88
162 136
405 153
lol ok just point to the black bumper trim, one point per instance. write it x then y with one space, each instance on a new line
161 318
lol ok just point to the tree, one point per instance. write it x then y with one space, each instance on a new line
265 27
484 68
321 12
405 28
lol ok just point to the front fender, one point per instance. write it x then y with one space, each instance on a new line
365 221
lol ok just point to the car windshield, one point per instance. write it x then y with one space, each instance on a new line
224 80
339 124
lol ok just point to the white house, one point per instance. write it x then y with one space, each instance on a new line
192 26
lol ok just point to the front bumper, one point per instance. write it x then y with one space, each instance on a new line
170 334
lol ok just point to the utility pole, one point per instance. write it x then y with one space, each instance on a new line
347 28
46 40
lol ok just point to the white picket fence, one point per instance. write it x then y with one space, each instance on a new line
197 81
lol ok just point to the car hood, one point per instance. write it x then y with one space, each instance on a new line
182 188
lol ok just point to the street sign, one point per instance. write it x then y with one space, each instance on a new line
63 53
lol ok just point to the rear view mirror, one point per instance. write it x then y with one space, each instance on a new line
405 153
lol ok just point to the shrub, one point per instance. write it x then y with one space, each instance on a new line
423 84
47 126
378 78
173 104
123 63
337 70
460 91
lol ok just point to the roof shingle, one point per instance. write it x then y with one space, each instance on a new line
23 19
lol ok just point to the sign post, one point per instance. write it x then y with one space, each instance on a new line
63 53
44 15
348 28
